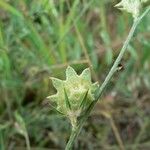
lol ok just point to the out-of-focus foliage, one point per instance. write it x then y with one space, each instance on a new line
41 38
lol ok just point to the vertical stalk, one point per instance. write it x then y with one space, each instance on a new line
27 141
74 134
122 51
76 130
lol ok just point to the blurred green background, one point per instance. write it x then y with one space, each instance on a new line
39 39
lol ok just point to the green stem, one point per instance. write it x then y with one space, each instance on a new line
122 51
112 71
72 138
27 141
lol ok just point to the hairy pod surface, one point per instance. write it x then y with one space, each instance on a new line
131 6
74 94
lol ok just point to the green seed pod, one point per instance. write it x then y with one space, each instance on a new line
74 94
131 6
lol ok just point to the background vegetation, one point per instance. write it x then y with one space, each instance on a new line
39 39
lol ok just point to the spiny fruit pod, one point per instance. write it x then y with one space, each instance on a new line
75 94
131 6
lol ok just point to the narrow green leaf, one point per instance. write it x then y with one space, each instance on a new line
88 109
84 97
9 8
68 105
86 112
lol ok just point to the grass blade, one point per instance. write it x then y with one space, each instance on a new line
10 9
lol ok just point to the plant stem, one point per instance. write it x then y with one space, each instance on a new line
122 51
72 138
27 141
99 92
